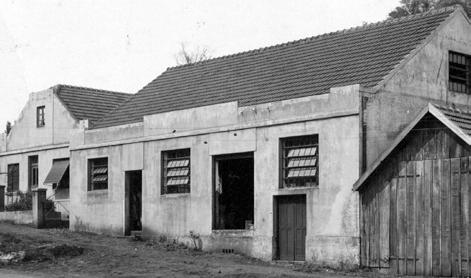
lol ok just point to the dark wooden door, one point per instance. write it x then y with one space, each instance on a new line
416 220
291 227
133 201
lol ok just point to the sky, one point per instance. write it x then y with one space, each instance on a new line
122 45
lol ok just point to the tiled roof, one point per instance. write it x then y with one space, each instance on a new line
88 103
362 55
460 118
456 120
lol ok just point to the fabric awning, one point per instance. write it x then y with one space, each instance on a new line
57 171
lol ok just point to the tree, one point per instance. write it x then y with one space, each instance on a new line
186 56
466 4
409 7
8 128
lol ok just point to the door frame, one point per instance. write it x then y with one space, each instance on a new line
126 199
276 249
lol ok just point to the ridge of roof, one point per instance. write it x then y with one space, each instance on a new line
325 35
439 112
359 55
88 103
59 86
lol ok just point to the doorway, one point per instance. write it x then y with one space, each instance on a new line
233 192
133 202
290 221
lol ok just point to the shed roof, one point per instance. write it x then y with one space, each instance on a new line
458 121
362 55
88 103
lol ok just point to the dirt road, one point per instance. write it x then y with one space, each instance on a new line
105 256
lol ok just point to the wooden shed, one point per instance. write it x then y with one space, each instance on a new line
415 199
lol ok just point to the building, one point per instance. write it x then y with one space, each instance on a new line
36 151
415 198
257 152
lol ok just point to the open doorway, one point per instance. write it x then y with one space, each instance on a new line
233 206
133 202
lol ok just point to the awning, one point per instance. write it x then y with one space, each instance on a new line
59 167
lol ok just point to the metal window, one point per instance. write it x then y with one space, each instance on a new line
459 73
40 119
97 174
175 171
299 161
13 178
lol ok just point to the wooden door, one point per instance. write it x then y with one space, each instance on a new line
429 221
291 227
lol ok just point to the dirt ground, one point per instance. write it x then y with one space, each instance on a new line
62 253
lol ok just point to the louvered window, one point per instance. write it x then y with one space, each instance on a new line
459 73
299 161
97 174
175 171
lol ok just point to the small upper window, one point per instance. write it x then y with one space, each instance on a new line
175 171
459 73
40 121
299 161
97 174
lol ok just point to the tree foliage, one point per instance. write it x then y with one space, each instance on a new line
8 128
190 56
410 7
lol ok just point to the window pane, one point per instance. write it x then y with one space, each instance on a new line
175 171
300 161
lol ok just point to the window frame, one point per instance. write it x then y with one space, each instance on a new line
33 172
11 189
284 161
40 116
181 188
454 80
91 165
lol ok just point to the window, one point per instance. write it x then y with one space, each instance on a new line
13 177
33 172
299 161
459 73
175 171
97 174
233 191
40 121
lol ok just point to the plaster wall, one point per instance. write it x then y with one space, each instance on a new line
423 78
45 159
59 123
332 224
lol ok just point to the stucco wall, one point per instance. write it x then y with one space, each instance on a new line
45 159
422 79
331 208
59 123
17 217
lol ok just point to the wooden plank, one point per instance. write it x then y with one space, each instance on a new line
464 200
419 218
401 219
428 172
445 236
384 222
468 186
436 179
393 225
410 222
363 261
455 217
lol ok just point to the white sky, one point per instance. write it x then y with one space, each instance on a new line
123 45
